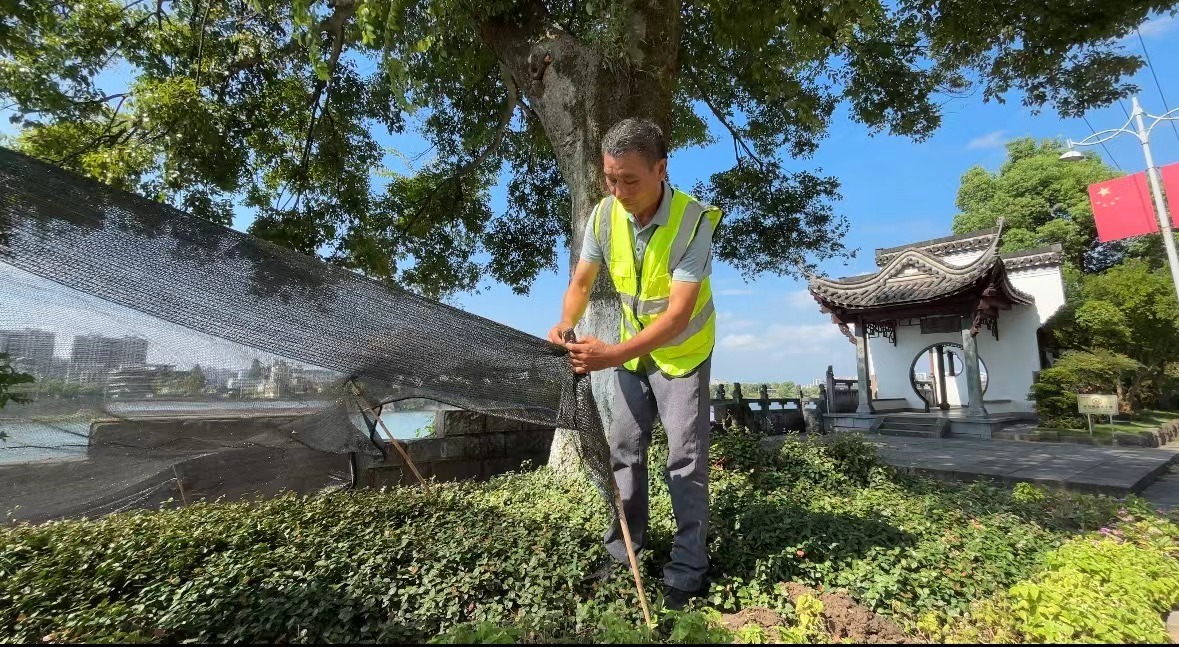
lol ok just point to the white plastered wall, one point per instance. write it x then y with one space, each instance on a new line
1010 361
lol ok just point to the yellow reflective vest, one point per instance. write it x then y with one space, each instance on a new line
645 298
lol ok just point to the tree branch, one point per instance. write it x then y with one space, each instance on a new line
201 44
505 120
737 139
342 10
334 24
321 90
528 109
102 138
80 102
513 41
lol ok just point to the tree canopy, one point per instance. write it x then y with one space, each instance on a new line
282 109
1128 309
1120 299
1042 201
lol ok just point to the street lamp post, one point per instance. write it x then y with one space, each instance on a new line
1142 132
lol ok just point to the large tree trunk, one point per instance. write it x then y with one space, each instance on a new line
578 95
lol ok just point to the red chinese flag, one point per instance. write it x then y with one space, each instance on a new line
1121 208
1170 175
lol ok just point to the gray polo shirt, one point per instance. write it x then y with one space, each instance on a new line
697 261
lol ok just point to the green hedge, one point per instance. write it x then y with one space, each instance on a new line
403 565
1055 392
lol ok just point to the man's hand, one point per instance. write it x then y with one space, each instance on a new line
592 354
557 334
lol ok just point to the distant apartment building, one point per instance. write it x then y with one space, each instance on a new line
218 378
93 357
137 382
279 380
320 376
29 350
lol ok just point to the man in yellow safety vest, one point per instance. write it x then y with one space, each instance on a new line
656 243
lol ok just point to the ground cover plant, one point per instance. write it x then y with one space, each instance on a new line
804 538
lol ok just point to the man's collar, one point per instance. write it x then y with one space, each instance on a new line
663 213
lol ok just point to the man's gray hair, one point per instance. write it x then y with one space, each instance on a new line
635 135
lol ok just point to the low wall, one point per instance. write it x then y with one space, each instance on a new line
183 432
851 422
466 445
889 404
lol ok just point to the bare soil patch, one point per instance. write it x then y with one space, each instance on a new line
848 619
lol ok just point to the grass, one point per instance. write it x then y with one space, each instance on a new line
1140 421
1145 420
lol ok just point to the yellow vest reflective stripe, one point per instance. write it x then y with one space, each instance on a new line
646 297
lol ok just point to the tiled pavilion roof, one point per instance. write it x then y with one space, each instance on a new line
913 277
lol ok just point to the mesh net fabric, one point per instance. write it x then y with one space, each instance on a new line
129 309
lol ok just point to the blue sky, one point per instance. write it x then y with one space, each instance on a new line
894 191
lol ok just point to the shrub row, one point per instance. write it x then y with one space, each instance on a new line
403 565
1055 392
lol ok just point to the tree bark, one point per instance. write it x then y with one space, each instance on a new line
1135 394
578 93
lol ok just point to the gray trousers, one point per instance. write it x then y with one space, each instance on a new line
682 404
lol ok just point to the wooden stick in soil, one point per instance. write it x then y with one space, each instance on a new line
630 552
363 402
180 485
571 337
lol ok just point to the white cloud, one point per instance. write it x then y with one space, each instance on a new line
739 342
801 300
785 339
735 292
1157 27
995 139
730 321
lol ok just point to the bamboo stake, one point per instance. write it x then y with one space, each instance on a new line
571 337
630 552
180 485
363 401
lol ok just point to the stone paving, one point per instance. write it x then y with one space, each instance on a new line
1116 471
1165 491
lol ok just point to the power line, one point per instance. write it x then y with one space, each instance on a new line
1109 154
1124 110
1166 107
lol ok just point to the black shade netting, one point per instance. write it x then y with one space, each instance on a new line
168 350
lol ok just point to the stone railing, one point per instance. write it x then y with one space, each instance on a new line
761 413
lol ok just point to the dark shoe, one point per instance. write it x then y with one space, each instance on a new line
603 571
676 599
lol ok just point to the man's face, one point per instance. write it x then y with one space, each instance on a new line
634 181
